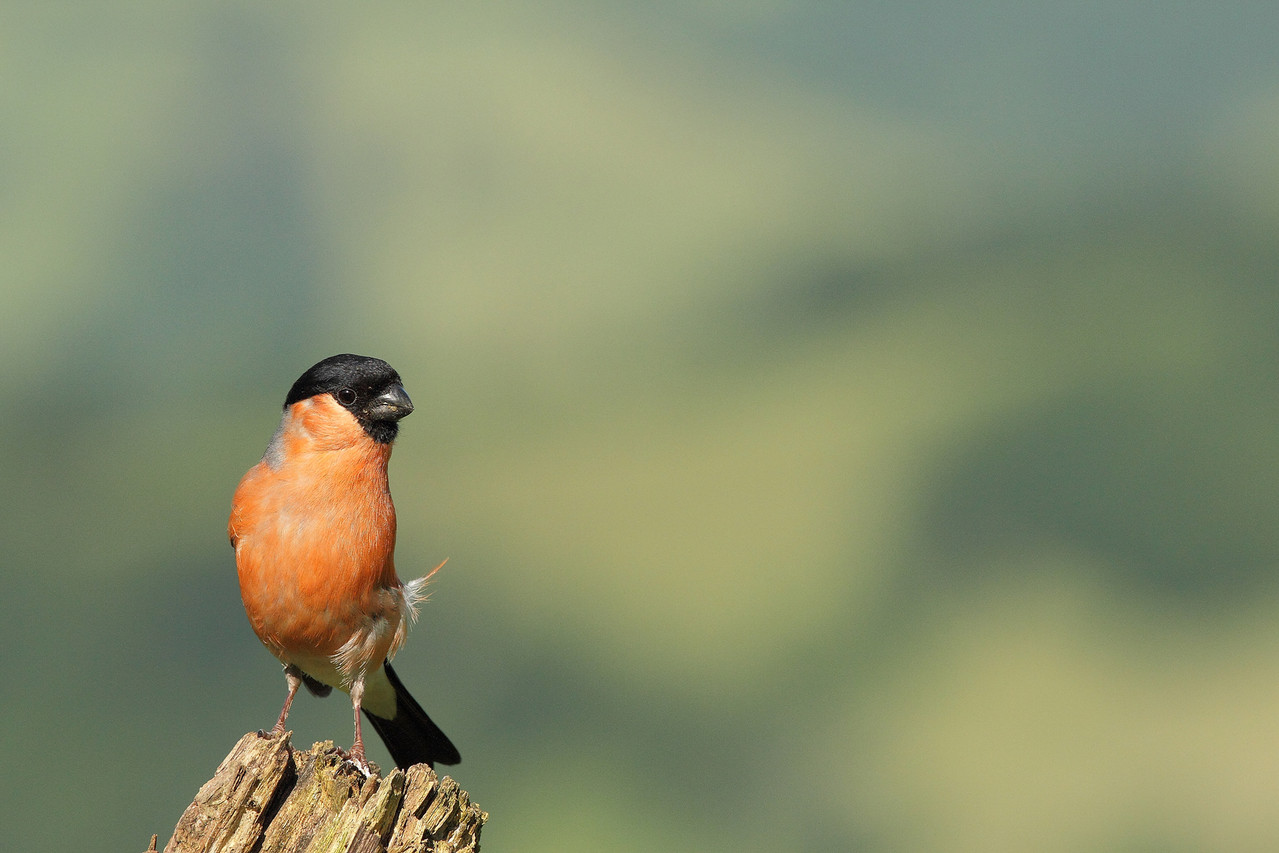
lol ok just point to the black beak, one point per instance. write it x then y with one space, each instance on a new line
391 405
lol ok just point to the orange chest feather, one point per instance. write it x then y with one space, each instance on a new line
314 532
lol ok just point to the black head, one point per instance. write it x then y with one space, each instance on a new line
368 388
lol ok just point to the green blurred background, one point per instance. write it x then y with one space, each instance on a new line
850 426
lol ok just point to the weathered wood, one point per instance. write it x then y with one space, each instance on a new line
267 798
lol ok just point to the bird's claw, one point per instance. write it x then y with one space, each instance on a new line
357 758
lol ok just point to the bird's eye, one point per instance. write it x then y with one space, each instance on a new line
346 396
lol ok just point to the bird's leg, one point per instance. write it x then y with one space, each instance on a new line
357 749
294 678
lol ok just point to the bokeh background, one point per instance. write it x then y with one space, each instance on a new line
850 426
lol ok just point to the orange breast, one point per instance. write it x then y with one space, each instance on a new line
314 532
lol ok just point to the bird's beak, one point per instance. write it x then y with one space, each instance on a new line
392 405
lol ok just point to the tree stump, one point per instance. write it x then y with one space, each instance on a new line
265 797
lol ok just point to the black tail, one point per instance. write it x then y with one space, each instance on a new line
411 737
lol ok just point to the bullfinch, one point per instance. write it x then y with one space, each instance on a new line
313 528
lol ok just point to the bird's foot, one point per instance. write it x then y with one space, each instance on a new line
356 757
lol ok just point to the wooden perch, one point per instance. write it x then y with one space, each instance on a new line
265 797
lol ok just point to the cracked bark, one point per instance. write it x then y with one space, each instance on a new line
268 798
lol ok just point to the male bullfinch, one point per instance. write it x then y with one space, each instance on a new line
313 528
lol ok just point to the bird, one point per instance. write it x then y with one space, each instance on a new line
313 527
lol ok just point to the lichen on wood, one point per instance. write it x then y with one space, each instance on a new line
268 798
